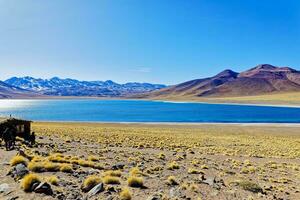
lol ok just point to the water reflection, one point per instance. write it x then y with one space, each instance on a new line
11 104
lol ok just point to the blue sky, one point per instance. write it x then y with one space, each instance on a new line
161 41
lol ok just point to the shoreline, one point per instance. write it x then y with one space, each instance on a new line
172 123
161 100
233 104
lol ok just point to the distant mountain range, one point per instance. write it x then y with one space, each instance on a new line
9 91
262 79
29 86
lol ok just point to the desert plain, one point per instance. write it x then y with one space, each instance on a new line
156 161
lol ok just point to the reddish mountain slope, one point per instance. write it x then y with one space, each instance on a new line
262 79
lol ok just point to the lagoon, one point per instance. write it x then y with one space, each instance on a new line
95 110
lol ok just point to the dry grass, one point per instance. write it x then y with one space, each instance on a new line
90 182
116 173
173 165
28 181
134 181
227 152
125 194
53 180
36 166
172 180
18 160
67 168
111 180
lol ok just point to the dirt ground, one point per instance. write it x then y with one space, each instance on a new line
212 161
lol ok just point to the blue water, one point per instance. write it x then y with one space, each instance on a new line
144 111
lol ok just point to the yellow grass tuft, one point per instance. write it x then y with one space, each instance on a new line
53 180
116 173
111 180
28 181
173 165
194 171
125 194
51 167
172 180
135 172
18 160
66 168
36 166
161 156
93 158
134 181
194 187
204 167
90 182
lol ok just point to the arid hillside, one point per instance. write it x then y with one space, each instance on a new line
262 79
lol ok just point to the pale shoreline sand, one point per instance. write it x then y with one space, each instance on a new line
263 104
172 123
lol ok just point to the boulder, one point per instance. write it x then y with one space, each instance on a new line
19 171
44 188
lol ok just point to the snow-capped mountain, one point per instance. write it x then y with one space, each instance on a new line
71 87
9 91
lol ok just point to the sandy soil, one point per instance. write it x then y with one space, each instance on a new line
207 161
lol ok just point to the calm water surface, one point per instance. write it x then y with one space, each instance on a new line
144 111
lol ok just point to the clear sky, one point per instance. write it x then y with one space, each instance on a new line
160 41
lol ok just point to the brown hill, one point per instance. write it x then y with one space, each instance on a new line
262 79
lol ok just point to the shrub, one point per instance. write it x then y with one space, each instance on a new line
53 180
111 180
116 173
125 194
161 156
134 181
135 172
66 168
59 158
18 160
194 171
172 180
204 167
90 182
28 181
36 166
85 163
173 165
93 158
51 167
250 186
194 187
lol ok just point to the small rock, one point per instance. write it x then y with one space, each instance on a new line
118 166
209 180
19 171
174 192
74 195
34 185
13 198
4 188
92 171
95 190
214 193
44 188
155 197
111 189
